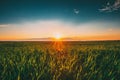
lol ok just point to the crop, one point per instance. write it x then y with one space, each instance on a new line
87 60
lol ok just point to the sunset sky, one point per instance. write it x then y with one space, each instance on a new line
75 19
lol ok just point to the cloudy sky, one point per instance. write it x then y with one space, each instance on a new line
80 19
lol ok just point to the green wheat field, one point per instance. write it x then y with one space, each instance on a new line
67 60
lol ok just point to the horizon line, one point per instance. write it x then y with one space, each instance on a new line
50 40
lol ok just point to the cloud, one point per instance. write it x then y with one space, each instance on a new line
76 11
4 25
111 8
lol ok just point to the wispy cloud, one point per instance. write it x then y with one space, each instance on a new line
111 7
4 25
76 11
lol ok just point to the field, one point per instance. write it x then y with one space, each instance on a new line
85 60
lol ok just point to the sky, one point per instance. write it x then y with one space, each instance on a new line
75 19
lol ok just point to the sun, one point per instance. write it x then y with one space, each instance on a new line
57 36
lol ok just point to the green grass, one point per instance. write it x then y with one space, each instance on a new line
97 60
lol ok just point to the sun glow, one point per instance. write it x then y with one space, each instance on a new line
57 36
